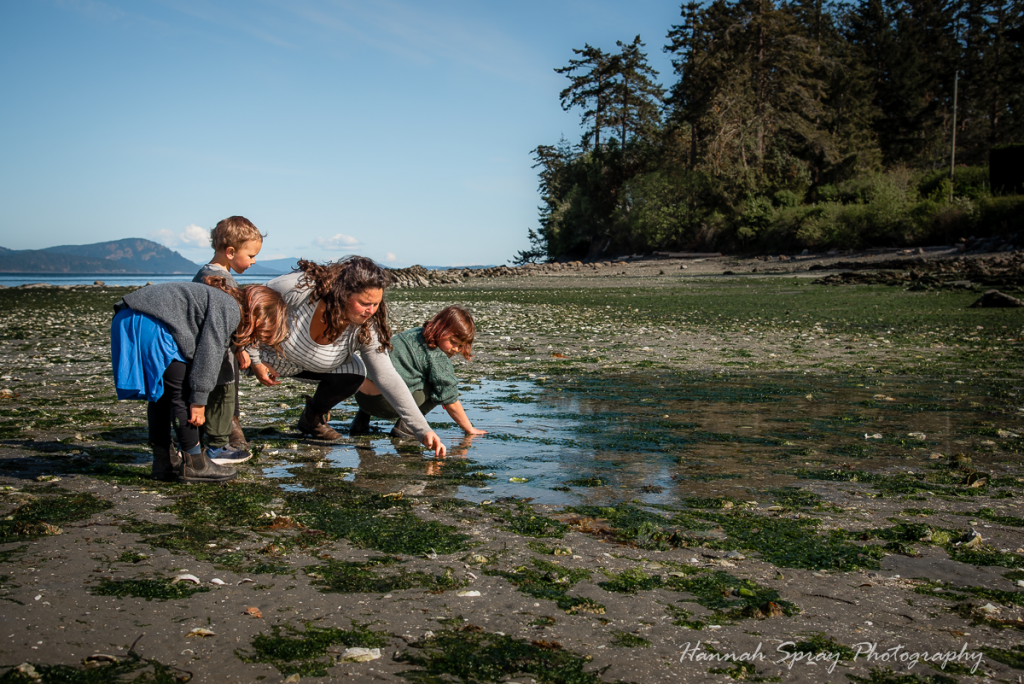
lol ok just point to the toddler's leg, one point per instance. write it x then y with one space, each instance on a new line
220 408
238 440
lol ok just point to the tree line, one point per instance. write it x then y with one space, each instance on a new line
789 125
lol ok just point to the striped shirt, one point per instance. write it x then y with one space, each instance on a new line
344 355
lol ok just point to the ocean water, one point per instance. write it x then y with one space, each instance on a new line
110 279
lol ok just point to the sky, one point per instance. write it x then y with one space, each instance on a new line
397 130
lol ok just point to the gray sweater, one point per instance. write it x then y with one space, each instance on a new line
215 270
201 320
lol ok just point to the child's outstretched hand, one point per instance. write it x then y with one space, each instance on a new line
243 358
197 415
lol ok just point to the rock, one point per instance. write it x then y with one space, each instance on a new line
996 299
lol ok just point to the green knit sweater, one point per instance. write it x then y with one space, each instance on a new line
424 368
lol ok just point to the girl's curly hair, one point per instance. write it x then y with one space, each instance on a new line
264 314
452 321
336 281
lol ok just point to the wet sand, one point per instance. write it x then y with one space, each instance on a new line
601 597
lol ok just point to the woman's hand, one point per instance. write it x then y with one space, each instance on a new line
243 358
265 374
474 431
197 415
432 441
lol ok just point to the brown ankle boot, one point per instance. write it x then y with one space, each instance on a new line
315 424
237 439
199 468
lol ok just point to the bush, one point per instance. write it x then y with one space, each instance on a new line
999 215
968 181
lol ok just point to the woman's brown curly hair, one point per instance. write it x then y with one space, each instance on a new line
336 281
264 314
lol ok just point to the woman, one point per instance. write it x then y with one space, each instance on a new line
338 309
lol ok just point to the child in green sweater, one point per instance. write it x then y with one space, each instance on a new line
422 356
236 242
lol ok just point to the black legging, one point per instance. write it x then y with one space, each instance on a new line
173 408
331 389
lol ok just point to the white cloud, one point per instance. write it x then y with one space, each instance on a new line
192 236
389 257
337 243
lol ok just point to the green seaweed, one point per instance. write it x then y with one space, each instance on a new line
469 655
149 589
550 582
622 639
746 672
303 651
130 668
1014 657
57 507
524 521
630 581
350 577
887 676
731 598
636 526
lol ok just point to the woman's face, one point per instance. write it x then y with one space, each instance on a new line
361 306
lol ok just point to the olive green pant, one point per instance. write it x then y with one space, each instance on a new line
376 405
220 408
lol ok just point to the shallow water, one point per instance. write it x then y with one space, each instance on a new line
658 440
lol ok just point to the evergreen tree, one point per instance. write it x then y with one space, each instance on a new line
590 85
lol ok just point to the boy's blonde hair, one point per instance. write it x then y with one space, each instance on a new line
234 231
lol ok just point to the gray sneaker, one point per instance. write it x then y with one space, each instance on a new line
228 455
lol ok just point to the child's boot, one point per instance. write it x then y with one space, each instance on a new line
402 431
315 424
166 463
360 424
237 439
199 468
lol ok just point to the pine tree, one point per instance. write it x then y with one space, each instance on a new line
590 79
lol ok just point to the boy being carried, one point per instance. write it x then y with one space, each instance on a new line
236 242
422 356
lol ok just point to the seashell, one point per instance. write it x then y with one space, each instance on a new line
244 580
186 578
99 659
468 593
254 612
200 632
358 654
218 582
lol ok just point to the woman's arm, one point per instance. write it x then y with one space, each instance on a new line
383 374
459 416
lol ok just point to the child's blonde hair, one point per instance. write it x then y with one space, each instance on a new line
453 321
234 231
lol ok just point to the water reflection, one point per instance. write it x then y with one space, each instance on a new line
659 439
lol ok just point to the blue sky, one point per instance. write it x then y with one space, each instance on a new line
397 130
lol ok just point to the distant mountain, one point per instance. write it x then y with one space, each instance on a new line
277 265
131 255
